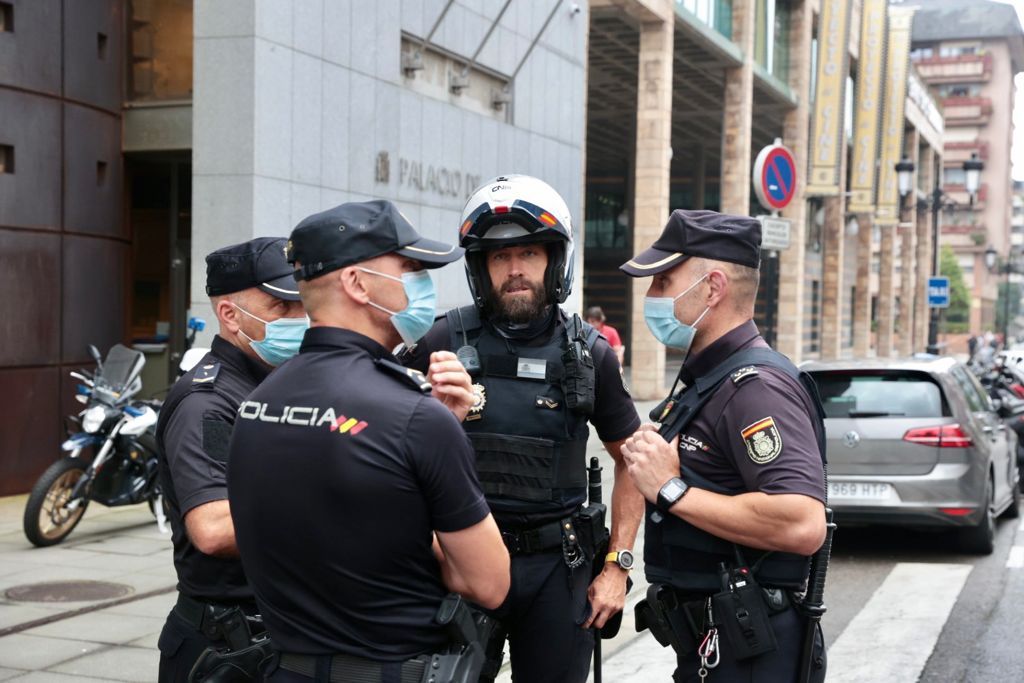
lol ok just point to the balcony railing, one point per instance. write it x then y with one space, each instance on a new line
967 110
958 69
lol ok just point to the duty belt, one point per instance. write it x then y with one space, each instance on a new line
349 669
536 540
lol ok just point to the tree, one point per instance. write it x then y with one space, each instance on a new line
958 315
1014 291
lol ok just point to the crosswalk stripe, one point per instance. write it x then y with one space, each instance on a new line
1016 558
893 636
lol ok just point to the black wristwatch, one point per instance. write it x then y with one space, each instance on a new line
674 489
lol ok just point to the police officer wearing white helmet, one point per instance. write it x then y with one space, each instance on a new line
540 375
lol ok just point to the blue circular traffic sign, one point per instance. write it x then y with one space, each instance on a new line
775 177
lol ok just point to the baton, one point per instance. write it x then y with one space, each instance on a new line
813 604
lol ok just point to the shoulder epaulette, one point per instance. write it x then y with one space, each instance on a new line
414 377
206 373
743 374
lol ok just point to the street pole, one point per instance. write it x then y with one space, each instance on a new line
933 322
1006 306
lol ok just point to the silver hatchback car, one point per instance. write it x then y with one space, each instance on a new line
916 443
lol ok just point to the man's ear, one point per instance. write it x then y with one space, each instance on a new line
718 287
227 315
351 282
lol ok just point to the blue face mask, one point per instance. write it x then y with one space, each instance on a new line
416 319
281 340
660 314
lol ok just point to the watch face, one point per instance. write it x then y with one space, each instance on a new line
673 490
625 559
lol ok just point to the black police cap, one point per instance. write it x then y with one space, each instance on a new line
256 263
359 231
706 234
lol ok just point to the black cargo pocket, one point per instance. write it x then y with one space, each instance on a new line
170 640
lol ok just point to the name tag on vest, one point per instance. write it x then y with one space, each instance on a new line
531 368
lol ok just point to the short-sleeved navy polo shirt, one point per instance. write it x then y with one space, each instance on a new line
340 470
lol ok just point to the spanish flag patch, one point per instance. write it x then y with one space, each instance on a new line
763 441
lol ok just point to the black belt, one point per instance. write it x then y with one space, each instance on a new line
536 540
349 669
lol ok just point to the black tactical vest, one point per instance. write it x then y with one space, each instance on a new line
530 444
680 554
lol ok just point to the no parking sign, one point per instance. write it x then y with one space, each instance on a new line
774 176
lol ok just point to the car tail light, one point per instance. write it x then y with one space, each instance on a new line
956 512
946 436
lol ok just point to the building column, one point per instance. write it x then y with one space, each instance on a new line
907 269
832 290
651 171
886 292
862 303
922 271
789 338
738 113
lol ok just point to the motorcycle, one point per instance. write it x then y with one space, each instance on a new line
124 469
1005 386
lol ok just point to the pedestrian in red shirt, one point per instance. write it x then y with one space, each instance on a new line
595 316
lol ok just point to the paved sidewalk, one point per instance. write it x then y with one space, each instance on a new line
117 643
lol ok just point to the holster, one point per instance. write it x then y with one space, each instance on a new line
232 666
668 619
469 631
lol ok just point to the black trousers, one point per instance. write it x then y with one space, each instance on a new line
782 665
180 645
542 618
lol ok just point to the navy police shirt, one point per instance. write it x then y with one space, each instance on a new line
192 434
756 433
341 467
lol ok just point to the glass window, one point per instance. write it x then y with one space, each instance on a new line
159 50
879 394
975 400
953 176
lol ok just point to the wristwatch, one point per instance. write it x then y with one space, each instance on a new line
623 558
674 489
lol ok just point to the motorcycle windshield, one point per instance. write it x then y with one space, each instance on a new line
121 366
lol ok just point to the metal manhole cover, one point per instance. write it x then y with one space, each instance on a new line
68 591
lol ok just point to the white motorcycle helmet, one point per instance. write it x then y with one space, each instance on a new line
511 210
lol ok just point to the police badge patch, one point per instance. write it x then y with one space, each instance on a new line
480 400
763 441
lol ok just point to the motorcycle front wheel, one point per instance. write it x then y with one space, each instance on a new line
47 519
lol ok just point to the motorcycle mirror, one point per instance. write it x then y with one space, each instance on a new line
95 353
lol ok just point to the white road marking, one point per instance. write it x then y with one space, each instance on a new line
893 636
1016 558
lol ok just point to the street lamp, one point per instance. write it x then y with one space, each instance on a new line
938 201
905 175
990 258
972 175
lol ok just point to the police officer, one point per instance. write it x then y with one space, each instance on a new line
735 494
352 489
540 375
256 301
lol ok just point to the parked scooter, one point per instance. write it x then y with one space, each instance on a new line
124 469
1005 386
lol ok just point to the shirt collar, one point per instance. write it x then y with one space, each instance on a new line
236 358
328 338
717 351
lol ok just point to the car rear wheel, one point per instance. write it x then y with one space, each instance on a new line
980 539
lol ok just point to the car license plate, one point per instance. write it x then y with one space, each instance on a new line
860 491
